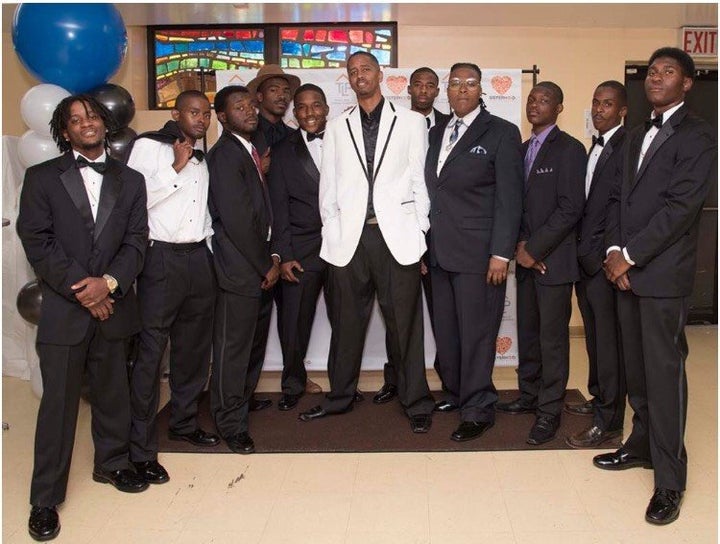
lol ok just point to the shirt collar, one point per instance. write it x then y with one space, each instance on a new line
544 134
669 113
101 158
467 120
610 133
373 114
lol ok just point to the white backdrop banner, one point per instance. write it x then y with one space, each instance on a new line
502 94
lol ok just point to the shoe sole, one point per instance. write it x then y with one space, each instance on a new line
661 522
454 439
533 411
628 466
180 438
104 480
573 412
594 444
534 442
45 538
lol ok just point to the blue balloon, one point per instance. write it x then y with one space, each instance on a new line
75 46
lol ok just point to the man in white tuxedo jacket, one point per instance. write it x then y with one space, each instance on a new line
374 208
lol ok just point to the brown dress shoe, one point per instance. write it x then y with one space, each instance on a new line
312 388
591 437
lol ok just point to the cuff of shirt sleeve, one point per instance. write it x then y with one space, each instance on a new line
276 255
611 249
503 259
627 256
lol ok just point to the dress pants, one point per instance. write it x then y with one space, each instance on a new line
239 340
299 304
655 348
62 367
176 292
606 376
468 313
543 343
352 291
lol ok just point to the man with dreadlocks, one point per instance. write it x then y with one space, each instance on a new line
473 171
176 288
83 224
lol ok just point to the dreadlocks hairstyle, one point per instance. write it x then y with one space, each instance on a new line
61 116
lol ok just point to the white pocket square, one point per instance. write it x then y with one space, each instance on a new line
544 170
478 150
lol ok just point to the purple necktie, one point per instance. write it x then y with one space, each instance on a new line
530 155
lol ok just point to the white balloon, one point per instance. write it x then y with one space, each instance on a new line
34 148
38 105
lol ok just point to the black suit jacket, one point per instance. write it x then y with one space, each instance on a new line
607 175
554 201
65 245
657 213
293 184
441 118
476 200
241 216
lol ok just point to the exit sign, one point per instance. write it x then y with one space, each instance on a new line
700 41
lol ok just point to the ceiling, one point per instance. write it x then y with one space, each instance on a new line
605 15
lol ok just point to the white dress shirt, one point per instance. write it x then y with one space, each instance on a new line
446 147
315 148
177 201
92 181
595 153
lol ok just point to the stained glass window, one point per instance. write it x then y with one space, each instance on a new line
186 58
329 46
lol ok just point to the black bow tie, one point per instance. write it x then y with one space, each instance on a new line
312 136
598 140
657 122
199 155
99 167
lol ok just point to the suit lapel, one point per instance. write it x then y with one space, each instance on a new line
667 130
303 155
109 192
436 135
354 127
476 129
75 187
605 155
540 157
385 130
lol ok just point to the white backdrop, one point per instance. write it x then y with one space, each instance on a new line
502 95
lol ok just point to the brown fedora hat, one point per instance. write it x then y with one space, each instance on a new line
269 71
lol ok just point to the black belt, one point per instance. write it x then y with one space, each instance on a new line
176 247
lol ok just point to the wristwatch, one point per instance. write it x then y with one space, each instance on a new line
111 283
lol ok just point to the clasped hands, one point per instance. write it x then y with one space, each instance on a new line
93 294
616 268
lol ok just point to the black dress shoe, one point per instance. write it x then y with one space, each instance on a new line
664 506
359 397
316 412
515 407
152 472
445 406
124 480
387 392
591 437
241 443
580 408
468 430
197 438
543 430
620 460
259 404
44 523
288 402
421 423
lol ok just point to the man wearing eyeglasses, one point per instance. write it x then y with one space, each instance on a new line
547 262
374 206
473 172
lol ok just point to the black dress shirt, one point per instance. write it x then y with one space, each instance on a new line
370 127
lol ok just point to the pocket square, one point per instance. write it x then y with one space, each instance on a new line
478 150
547 170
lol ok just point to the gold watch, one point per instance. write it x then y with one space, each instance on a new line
111 283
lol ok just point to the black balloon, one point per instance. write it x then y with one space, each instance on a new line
118 100
29 301
119 142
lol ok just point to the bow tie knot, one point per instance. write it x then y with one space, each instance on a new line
656 122
198 155
315 135
598 140
99 167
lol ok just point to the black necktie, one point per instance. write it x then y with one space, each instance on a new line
199 155
318 135
427 120
657 122
99 167
598 140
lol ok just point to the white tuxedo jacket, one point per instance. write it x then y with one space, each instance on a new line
400 196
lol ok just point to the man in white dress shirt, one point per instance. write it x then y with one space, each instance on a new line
177 286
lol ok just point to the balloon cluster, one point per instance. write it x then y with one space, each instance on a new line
71 48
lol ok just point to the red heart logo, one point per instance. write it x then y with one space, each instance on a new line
501 84
396 84
503 344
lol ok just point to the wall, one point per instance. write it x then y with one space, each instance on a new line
575 58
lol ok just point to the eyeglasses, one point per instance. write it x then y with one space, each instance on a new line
470 84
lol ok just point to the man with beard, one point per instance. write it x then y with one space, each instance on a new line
176 288
83 223
293 184
374 207
246 271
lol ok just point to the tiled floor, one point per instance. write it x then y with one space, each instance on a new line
455 498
